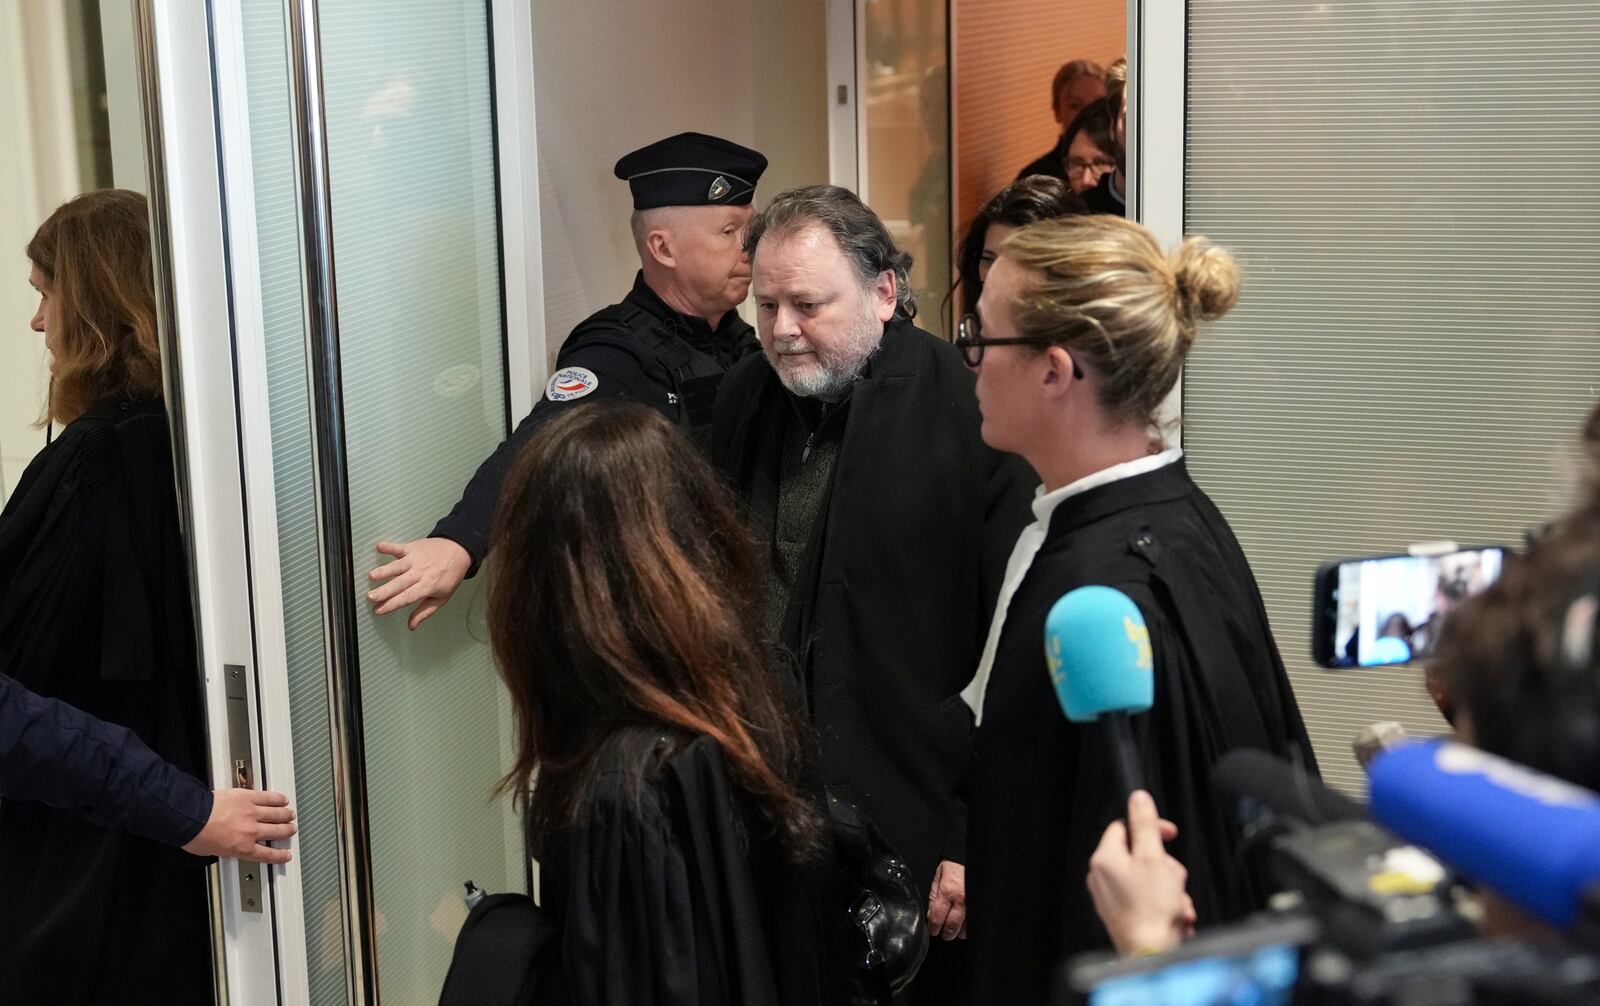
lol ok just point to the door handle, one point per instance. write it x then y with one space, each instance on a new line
243 772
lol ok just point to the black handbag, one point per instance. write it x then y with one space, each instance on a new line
888 923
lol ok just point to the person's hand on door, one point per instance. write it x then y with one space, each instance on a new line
425 573
241 822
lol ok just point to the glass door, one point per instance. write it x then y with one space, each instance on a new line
890 129
340 328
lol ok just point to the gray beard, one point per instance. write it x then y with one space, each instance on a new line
828 382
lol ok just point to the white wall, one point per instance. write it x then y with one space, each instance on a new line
612 75
35 113
124 106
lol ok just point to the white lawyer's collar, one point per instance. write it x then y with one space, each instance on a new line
1045 503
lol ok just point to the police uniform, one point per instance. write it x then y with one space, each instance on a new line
639 350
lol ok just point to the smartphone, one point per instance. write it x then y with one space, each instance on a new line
1388 609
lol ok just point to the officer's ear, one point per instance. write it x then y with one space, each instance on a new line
658 244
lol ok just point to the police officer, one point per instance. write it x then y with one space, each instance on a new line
666 345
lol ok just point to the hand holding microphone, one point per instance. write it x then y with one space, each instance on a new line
1138 889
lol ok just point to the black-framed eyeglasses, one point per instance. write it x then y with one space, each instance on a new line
970 340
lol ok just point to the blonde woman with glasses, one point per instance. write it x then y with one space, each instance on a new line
1080 334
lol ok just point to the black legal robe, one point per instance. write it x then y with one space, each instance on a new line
1052 163
1043 789
668 892
95 611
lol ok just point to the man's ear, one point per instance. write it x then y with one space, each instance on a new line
885 292
1058 376
660 246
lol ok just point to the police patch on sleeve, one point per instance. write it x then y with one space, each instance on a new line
571 383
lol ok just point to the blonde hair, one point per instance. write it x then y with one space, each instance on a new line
1101 287
94 252
1117 87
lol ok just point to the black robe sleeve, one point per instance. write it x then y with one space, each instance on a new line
630 934
1178 740
55 754
665 898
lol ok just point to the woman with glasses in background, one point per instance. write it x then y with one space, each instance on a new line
1080 334
1088 147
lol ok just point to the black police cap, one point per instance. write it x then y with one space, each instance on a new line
691 169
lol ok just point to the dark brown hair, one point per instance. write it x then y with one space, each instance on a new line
94 254
1519 663
626 591
1093 119
861 234
1023 202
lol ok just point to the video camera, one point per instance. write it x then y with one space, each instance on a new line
1368 917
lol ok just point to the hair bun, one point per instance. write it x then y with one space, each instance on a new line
1207 279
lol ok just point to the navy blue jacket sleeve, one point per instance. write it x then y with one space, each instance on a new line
622 377
56 754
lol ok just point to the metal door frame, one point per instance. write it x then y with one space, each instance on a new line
192 78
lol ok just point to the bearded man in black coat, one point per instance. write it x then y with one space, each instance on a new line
854 441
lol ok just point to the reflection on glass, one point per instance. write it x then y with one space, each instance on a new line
416 244
416 248
906 161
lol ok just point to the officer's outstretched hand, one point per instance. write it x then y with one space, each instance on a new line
241 822
424 572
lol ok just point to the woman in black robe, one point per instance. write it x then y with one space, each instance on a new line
659 761
1081 331
94 611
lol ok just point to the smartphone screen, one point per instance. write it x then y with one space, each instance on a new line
1256 961
1265 976
1389 609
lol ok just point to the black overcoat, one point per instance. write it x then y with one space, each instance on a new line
95 611
1042 789
890 610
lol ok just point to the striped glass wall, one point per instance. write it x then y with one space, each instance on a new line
1413 189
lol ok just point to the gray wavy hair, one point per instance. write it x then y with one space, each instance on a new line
864 238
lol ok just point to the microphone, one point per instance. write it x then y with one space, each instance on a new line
1255 779
1098 650
1373 891
1533 838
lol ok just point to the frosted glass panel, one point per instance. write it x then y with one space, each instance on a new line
1411 189
278 251
417 267
416 249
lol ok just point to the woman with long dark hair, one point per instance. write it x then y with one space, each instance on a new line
658 758
1027 200
95 611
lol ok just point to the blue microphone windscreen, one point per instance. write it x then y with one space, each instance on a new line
1098 649
1531 837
